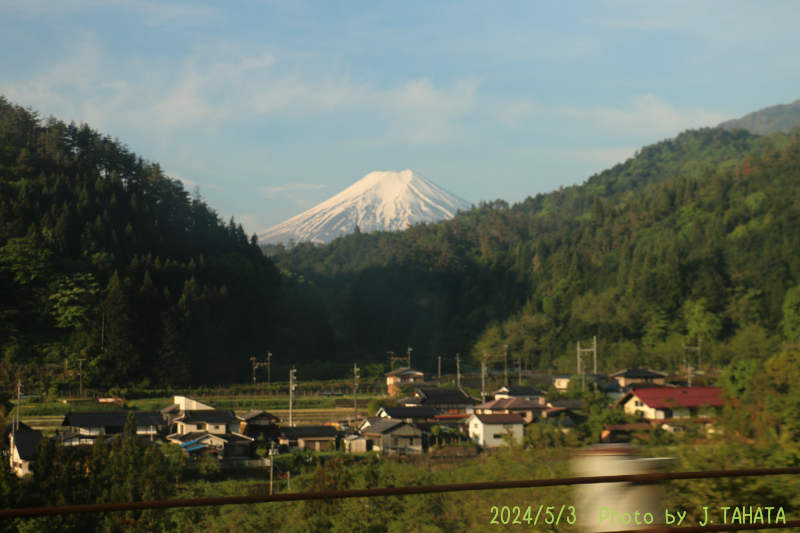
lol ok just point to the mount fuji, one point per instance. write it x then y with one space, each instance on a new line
383 201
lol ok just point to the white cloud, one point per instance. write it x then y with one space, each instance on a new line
155 13
646 115
192 183
271 190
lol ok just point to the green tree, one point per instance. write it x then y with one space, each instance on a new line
791 314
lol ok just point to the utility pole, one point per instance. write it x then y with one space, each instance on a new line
699 349
256 365
519 368
406 359
592 349
483 378
19 404
458 371
271 462
486 356
439 375
355 391
291 394
15 421
505 363
80 373
583 375
269 368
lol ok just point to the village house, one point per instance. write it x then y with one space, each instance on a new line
664 404
23 444
401 377
446 400
258 422
395 437
492 430
216 422
210 431
528 409
366 422
575 405
86 427
522 392
626 378
229 446
181 404
561 381
309 438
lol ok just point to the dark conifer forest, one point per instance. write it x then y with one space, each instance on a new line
105 258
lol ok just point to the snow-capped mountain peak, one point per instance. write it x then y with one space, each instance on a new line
384 201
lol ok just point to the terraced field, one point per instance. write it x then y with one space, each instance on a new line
301 417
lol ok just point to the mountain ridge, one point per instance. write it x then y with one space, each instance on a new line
781 117
384 201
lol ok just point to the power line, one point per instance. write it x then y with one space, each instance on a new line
427 489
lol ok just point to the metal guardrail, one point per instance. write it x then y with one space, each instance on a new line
429 489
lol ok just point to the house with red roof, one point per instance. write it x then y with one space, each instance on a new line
666 403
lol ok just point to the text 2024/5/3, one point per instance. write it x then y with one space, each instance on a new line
516 515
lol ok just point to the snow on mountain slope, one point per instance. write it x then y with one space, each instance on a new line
384 201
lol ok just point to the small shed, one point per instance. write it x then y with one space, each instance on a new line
356 444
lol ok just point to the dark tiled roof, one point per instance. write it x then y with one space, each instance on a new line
563 421
383 426
22 426
112 419
510 403
64 437
410 412
636 426
568 404
237 438
196 435
638 373
209 416
253 413
512 418
521 390
26 443
309 432
439 396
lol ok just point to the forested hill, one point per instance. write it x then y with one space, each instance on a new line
105 258
782 117
695 237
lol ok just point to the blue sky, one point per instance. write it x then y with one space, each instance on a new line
274 106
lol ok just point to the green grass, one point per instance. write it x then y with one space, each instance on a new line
60 409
